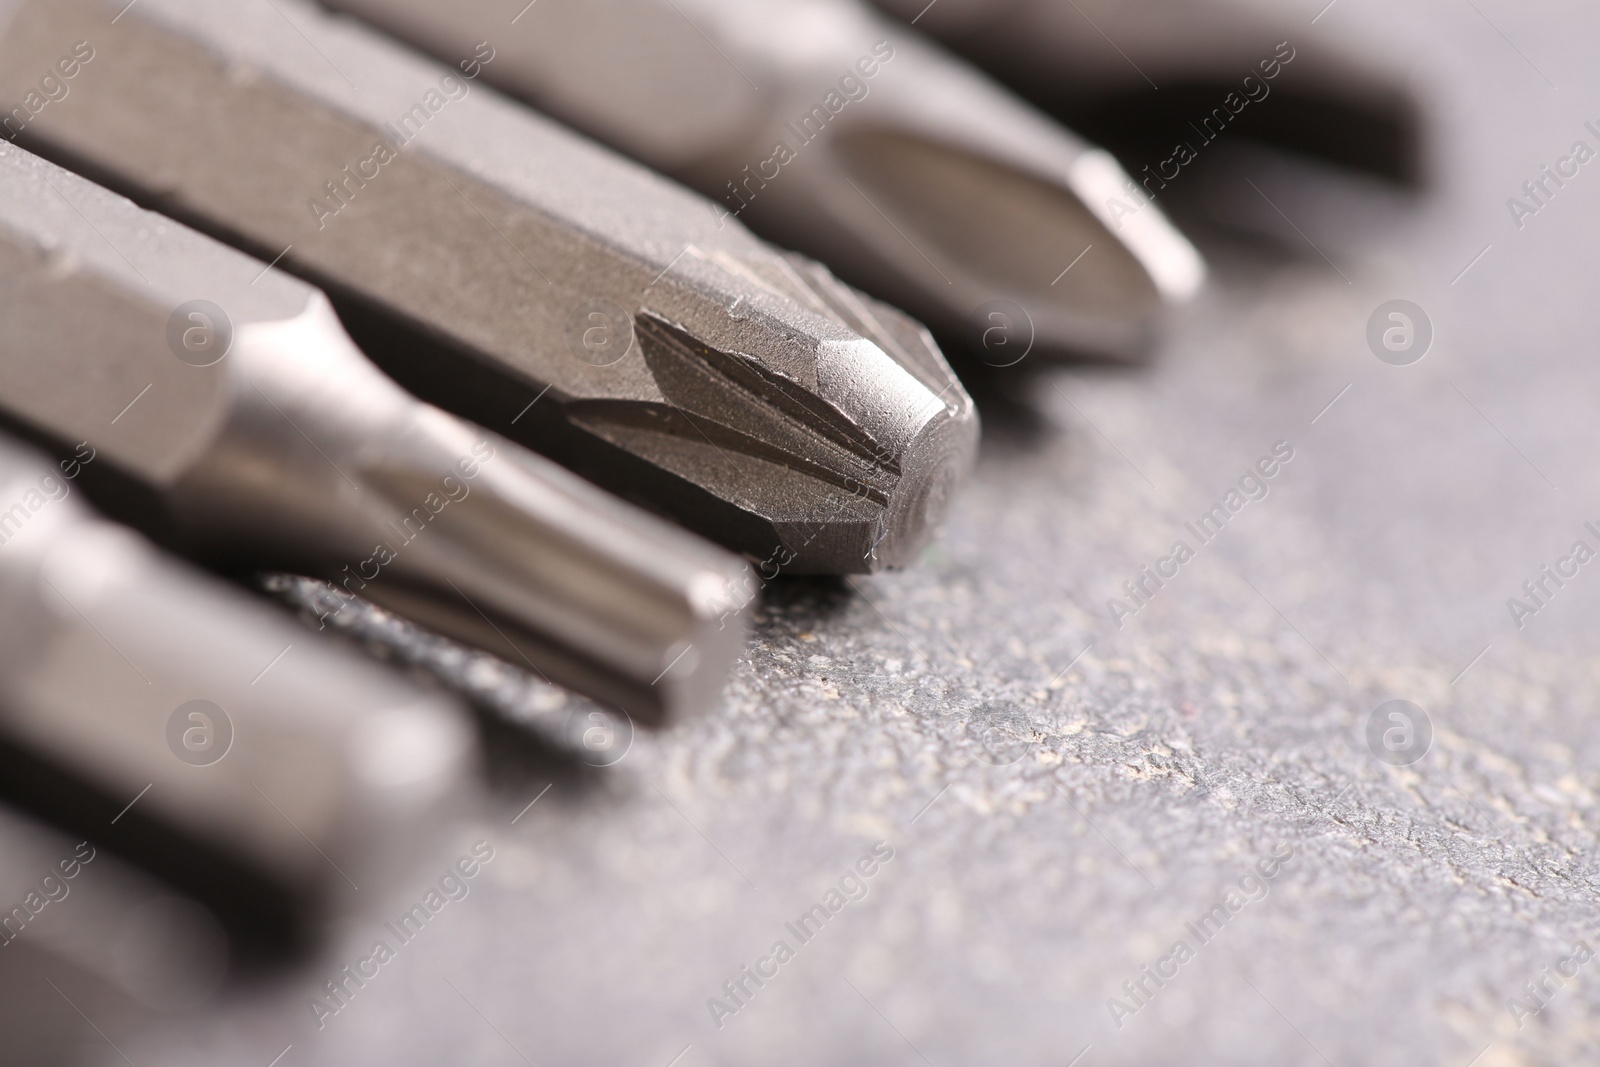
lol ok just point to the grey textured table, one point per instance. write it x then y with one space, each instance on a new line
1067 800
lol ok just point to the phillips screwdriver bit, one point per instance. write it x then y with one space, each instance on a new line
828 128
154 710
1136 73
507 269
246 428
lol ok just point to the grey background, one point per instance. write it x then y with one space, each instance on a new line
1224 720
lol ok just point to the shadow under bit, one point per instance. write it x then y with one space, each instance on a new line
531 730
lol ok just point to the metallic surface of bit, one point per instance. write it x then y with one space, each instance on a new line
511 271
1136 73
245 426
116 940
155 710
829 128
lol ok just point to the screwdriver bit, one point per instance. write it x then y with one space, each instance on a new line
509 270
828 128
244 427
114 939
156 711
1135 73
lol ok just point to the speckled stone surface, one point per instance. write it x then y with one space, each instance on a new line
1065 799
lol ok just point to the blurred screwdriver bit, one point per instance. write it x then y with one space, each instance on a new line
156 711
87 932
246 428
826 127
1135 73
499 265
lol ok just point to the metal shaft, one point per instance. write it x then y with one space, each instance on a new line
513 272
243 424
827 127
152 709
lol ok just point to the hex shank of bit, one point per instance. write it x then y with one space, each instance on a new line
829 128
519 274
156 711
286 448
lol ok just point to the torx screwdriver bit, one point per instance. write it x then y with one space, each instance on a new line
152 709
828 128
513 272
1136 74
246 428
